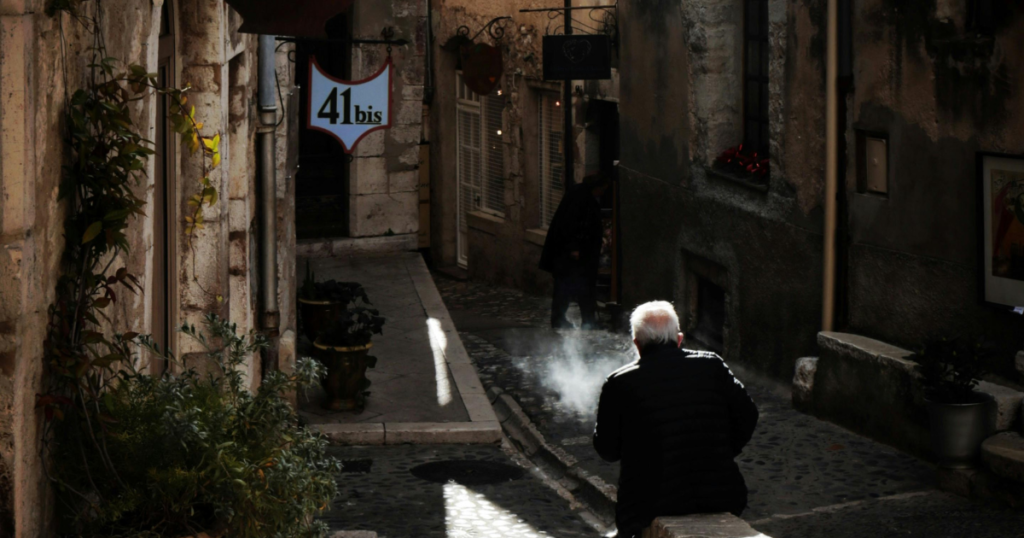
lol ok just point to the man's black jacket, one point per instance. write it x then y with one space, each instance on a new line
575 227
676 418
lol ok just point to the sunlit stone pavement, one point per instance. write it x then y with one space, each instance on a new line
378 491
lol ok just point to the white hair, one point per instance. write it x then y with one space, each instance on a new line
655 322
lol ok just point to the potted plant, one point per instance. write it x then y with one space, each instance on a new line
320 303
960 417
344 349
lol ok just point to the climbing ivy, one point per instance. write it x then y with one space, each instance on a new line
107 163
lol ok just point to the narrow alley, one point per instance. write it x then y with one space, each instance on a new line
511 268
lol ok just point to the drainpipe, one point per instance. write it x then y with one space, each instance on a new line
428 90
569 142
831 165
844 86
268 185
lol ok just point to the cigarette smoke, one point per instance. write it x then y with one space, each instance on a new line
576 367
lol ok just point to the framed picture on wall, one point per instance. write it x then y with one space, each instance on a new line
1001 233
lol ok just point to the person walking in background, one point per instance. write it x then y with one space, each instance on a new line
676 419
572 251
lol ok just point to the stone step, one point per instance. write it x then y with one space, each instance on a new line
1003 454
701 526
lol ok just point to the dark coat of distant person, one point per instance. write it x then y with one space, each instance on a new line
575 227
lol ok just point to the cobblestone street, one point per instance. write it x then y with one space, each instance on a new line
807 478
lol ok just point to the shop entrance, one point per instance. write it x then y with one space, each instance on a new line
321 183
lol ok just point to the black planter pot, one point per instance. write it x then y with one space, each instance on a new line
345 384
317 316
957 430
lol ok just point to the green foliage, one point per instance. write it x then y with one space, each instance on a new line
950 369
131 454
354 326
195 452
106 165
342 293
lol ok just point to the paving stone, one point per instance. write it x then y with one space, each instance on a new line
391 501
702 526
934 515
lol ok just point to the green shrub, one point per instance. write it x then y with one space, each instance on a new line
179 454
950 370
354 326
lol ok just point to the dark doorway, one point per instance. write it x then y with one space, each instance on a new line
321 184
602 153
710 328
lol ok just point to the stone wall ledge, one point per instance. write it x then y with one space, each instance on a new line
350 246
873 388
702 526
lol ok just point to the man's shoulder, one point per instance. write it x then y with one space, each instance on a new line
623 371
699 354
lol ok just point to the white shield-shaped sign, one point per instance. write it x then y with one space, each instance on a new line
349 110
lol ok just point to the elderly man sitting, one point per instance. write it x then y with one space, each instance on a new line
676 419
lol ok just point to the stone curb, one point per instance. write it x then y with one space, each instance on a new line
352 246
590 489
353 534
399 433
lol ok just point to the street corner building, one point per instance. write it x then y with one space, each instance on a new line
240 264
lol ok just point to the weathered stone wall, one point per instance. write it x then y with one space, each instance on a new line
938 91
941 94
384 185
217 270
681 104
506 249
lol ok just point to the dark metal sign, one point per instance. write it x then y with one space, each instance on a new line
577 57
481 67
298 18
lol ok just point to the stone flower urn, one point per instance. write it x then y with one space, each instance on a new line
346 383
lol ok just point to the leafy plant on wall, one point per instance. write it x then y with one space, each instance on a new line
107 160
220 458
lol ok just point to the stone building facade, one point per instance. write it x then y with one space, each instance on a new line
495 159
742 258
377 194
195 43
189 42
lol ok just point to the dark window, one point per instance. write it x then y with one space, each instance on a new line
710 328
755 76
